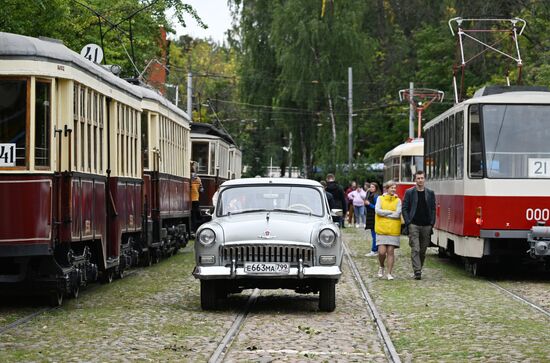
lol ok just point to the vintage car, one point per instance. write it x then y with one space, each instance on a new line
269 233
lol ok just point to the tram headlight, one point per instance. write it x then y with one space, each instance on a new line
206 237
327 237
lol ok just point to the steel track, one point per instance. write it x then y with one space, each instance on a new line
225 343
389 348
538 308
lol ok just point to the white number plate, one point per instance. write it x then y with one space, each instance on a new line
539 168
7 154
267 268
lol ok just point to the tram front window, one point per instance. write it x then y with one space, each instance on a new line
517 140
13 122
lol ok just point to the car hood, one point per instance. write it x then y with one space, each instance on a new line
279 227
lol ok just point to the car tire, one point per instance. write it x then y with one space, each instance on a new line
327 295
209 295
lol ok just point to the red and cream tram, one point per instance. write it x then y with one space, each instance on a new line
488 161
94 171
402 162
216 158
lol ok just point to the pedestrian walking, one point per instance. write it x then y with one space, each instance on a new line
370 203
338 194
419 216
388 228
349 204
357 198
196 189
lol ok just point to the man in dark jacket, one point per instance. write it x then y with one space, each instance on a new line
338 194
419 215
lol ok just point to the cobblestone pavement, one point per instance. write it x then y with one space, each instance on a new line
450 316
155 316
287 327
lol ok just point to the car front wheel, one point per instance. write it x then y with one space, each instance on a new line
327 295
208 294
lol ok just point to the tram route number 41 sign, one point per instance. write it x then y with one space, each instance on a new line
539 168
7 155
92 52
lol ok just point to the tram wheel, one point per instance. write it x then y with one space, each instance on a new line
75 291
476 267
56 298
327 295
107 276
441 252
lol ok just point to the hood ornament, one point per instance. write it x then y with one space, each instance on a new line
267 235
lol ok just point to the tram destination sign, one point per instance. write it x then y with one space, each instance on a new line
539 168
7 155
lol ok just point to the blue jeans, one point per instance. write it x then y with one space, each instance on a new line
359 212
374 247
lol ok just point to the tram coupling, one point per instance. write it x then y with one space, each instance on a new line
539 240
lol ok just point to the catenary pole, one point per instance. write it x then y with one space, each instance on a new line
411 111
350 118
190 95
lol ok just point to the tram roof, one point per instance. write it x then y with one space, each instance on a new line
21 47
514 96
413 147
201 129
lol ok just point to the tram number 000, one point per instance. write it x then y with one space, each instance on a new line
537 214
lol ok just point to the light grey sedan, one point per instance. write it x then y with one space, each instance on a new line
269 233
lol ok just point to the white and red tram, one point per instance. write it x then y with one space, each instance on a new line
402 162
488 161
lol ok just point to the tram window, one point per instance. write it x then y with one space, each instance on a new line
145 139
406 169
475 150
13 117
459 137
212 168
199 153
42 124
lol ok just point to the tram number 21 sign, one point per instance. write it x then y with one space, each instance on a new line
539 168
7 155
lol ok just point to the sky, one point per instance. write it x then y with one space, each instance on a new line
214 13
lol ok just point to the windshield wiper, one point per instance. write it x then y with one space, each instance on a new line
286 210
247 211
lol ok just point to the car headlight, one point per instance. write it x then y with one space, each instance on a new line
206 237
327 237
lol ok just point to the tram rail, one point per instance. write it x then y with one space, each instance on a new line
520 298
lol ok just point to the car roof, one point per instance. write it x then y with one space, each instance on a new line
272 181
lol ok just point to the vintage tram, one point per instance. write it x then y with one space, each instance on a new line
402 162
94 170
488 161
216 158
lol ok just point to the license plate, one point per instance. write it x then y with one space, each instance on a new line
266 268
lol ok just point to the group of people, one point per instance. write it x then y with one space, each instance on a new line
383 214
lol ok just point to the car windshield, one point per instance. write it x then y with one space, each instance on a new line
252 198
517 141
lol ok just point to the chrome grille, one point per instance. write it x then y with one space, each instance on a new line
266 253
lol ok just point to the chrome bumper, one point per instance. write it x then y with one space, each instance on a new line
221 272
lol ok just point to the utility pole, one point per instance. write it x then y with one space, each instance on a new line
411 111
350 118
290 154
190 95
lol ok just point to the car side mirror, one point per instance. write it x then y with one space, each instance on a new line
336 212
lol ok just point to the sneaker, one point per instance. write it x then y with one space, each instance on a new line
418 276
381 272
372 254
390 277
356 226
